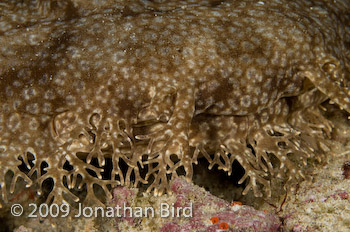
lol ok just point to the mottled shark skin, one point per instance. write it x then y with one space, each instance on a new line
157 84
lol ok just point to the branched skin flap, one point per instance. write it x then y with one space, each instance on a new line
154 85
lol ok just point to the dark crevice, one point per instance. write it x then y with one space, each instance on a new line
216 181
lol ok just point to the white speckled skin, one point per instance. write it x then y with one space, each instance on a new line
167 81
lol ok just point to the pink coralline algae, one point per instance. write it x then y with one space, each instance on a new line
122 198
205 206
